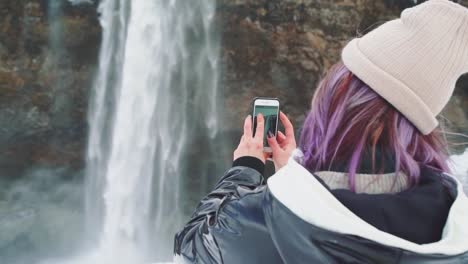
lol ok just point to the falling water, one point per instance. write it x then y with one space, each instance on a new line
58 64
155 94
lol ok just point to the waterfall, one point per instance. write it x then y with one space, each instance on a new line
58 63
155 95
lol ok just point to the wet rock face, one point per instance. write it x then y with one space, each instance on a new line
47 60
455 115
281 48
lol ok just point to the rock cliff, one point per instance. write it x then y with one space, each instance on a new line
49 51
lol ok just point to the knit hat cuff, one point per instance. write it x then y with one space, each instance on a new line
391 89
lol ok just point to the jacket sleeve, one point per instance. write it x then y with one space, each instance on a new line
196 242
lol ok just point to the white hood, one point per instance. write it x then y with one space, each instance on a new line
296 188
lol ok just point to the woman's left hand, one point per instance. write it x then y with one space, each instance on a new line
252 145
283 145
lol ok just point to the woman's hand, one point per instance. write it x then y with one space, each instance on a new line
283 145
252 145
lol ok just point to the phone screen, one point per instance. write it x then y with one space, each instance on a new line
270 114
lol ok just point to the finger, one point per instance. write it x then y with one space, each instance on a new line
266 155
280 137
242 139
259 130
288 127
275 147
248 127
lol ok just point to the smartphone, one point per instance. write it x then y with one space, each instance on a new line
269 107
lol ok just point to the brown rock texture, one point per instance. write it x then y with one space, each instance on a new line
47 60
281 49
277 48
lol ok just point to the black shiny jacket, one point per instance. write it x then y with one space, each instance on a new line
242 221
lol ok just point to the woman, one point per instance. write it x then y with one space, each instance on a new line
369 182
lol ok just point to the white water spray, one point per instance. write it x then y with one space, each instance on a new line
156 89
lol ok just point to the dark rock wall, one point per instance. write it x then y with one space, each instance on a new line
47 60
281 48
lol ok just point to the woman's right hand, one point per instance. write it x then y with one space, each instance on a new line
282 145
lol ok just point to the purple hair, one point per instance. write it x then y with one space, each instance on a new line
347 120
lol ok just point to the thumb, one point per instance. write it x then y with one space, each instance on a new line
275 147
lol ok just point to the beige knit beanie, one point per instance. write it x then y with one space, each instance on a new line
414 61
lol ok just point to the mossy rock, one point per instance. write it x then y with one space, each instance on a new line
9 83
